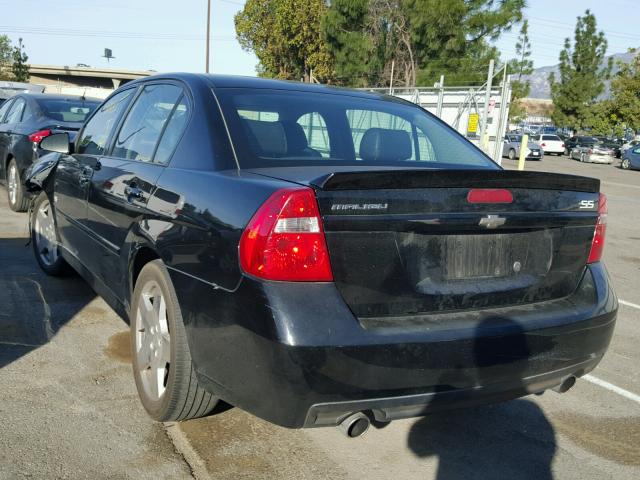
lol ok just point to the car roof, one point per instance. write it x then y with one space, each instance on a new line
236 81
51 96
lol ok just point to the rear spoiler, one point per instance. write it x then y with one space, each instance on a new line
423 178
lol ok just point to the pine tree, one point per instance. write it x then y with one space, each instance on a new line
519 67
20 68
581 74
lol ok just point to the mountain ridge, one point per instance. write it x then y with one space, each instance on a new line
539 79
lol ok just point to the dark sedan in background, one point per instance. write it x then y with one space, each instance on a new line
26 119
320 256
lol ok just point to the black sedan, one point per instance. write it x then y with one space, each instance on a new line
319 256
25 120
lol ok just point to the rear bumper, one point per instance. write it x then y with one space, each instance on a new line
294 354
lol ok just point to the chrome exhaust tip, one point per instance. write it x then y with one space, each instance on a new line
355 425
566 385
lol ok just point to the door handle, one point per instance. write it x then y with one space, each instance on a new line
133 193
85 174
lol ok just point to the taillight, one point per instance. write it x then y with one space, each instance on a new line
590 151
562 145
543 145
284 239
489 195
36 137
597 245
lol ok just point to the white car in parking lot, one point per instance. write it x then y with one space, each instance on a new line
550 144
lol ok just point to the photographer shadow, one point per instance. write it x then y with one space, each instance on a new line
511 440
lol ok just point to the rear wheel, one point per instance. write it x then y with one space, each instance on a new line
625 164
162 366
44 237
18 200
512 154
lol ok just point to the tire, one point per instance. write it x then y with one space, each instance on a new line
44 237
625 164
164 373
18 199
512 154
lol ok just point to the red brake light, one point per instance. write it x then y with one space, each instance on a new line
562 145
597 245
489 195
543 144
36 137
284 239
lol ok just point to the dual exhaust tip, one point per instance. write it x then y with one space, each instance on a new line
355 425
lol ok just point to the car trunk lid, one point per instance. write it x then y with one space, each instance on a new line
410 242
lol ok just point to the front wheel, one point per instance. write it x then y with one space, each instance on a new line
512 154
44 237
18 200
625 164
162 366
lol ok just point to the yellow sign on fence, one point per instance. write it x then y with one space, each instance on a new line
472 125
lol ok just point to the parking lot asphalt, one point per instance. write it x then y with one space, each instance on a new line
68 406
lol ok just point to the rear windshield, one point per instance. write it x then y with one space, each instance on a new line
286 128
71 110
551 137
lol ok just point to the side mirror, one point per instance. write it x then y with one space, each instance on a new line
58 142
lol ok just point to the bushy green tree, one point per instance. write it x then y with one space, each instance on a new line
6 58
357 59
519 67
452 37
285 36
625 93
20 68
582 75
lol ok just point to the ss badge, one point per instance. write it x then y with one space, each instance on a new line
587 203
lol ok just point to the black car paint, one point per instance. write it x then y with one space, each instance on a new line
295 353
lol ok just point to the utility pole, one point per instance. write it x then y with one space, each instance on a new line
440 97
502 123
208 35
487 98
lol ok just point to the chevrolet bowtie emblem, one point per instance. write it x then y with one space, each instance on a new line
492 221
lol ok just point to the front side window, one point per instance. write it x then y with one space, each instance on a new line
96 132
145 122
292 128
15 112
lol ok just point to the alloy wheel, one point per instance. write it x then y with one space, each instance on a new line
152 341
625 164
12 183
45 234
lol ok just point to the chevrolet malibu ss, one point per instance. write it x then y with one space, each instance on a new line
319 256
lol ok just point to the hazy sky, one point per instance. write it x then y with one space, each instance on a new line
168 35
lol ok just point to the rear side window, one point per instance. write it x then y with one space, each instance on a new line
64 110
146 121
173 131
292 128
96 132
3 110
15 112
